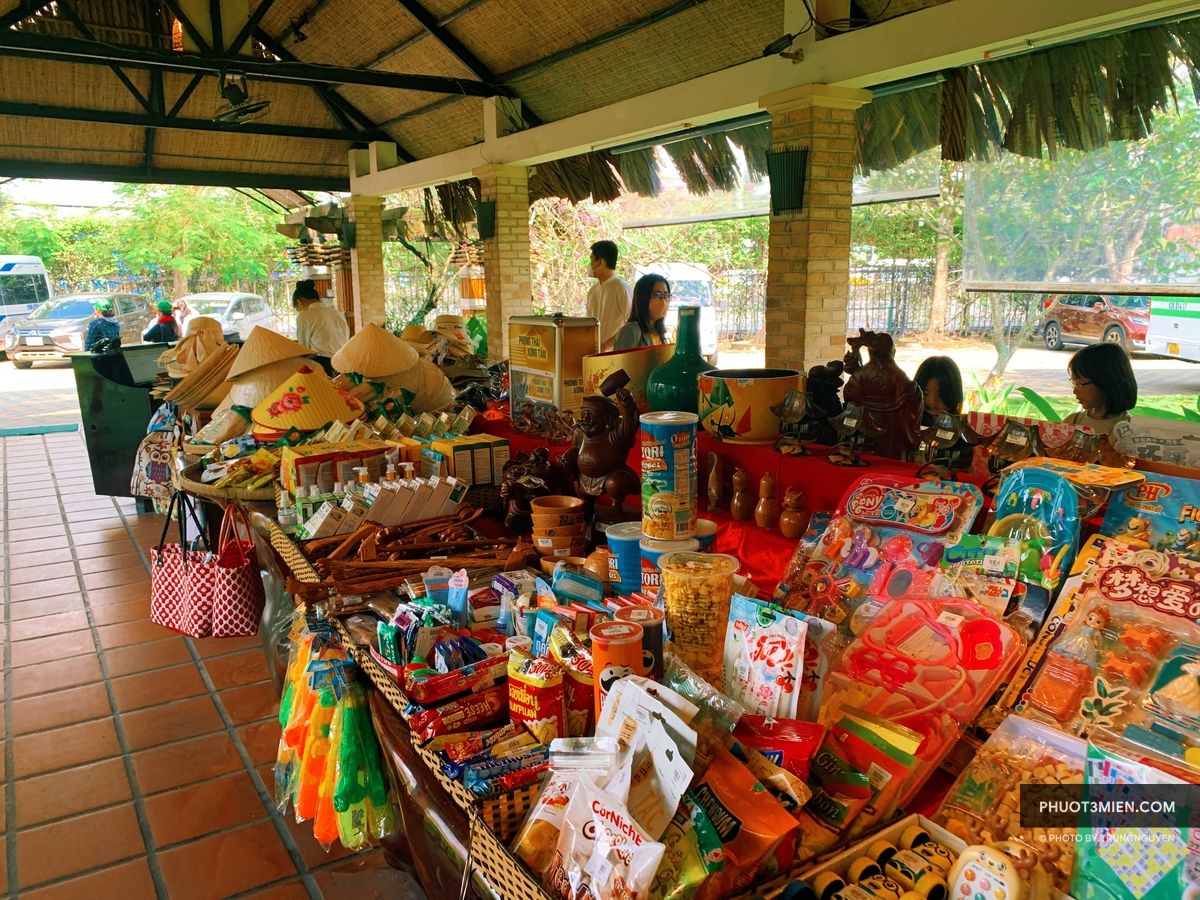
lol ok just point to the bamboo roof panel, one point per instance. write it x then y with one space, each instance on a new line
336 34
74 84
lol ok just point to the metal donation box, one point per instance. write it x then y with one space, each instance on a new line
545 358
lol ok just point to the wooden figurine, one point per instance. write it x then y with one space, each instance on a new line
766 513
793 521
741 507
892 402
716 481
606 433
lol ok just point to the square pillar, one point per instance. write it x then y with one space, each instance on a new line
808 262
366 260
506 253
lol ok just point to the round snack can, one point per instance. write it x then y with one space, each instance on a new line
625 556
616 652
669 475
651 552
651 620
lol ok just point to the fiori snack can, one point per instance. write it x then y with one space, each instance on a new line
669 475
616 652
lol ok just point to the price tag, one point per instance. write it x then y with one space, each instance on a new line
905 505
993 564
949 618
850 423
944 435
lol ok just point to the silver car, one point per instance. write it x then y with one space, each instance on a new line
58 327
235 311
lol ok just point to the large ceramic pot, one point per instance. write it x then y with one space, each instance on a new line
736 404
638 363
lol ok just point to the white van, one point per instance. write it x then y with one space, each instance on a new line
23 285
690 283
1174 327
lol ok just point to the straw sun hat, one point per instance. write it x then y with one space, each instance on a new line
306 401
375 353
264 347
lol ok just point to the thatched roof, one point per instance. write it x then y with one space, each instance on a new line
569 57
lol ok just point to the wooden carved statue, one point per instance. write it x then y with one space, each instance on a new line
526 477
741 506
891 400
793 521
605 435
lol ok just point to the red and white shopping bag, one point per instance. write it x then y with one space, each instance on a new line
237 589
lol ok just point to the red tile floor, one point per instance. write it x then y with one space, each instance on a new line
135 762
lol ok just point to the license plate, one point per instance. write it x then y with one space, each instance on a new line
1173 349
35 341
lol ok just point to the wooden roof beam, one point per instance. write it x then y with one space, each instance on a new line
25 168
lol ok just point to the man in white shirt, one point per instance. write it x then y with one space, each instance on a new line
611 299
321 328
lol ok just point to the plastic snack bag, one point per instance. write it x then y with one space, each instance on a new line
693 852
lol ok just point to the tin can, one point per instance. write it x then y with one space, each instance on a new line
616 652
625 556
651 619
668 475
651 551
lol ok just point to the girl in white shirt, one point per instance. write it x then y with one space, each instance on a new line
1104 385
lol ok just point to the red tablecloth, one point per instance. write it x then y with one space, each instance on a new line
764 554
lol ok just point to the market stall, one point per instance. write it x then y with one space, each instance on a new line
582 642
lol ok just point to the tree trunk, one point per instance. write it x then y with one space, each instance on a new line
179 284
948 202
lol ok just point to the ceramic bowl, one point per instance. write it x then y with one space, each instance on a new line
735 404
556 531
556 504
543 521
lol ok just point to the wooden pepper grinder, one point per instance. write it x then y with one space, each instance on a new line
716 481
741 507
793 521
766 513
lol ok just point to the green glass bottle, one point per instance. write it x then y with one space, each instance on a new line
672 386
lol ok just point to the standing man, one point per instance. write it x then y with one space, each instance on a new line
611 299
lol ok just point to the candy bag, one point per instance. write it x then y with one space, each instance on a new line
569 651
789 743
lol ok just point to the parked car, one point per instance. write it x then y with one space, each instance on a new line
1092 318
57 327
235 311
691 284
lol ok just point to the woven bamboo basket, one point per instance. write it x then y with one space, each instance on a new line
189 480
485 497
292 556
490 856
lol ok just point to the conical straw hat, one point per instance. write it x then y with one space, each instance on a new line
264 347
205 378
306 401
375 352
249 390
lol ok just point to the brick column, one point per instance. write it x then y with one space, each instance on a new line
506 254
366 260
808 267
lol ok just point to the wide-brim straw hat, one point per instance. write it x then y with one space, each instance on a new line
264 347
305 401
198 345
248 390
206 384
375 352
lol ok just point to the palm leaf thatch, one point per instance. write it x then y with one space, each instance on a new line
1079 96
639 172
577 178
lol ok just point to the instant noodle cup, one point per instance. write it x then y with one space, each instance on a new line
625 556
697 589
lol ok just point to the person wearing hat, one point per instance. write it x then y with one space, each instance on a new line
104 327
319 327
165 330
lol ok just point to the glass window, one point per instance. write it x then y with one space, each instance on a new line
22 289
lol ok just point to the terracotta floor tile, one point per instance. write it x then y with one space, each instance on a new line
126 633
71 791
132 574
93 839
226 863
291 889
261 741
39 558
160 686
169 722
203 808
365 875
251 703
49 587
48 751
208 647
110 563
37 546
114 547
312 852
123 594
116 613
46 606
60 646
55 675
44 626
162 768
54 710
144 657
127 881
237 669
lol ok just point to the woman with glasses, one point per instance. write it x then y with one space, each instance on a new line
1103 383
645 328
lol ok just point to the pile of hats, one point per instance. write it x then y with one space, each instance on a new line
377 365
266 361
558 526
203 338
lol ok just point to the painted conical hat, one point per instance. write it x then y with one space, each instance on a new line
375 352
264 347
306 401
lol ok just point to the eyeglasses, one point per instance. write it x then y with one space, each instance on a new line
1079 382
660 295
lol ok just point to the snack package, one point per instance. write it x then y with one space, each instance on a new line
602 852
571 760
471 712
756 832
786 787
788 743
692 853
881 749
716 714
573 655
764 658
535 696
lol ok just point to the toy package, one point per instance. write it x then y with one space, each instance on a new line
1162 513
928 665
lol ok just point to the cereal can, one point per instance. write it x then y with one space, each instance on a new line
697 590
616 652
652 551
669 475
651 620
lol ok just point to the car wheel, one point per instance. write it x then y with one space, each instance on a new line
1115 334
22 364
1052 336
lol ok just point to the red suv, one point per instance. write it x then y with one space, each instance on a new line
1092 318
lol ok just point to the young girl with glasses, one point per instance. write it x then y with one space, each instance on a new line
1104 385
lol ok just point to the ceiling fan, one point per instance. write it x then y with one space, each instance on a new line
237 105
